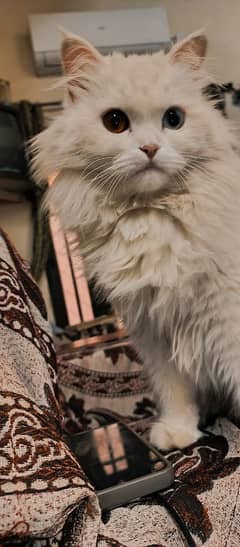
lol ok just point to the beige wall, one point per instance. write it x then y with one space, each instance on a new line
220 17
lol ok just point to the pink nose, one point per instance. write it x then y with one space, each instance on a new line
149 149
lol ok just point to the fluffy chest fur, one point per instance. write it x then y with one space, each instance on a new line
162 278
148 247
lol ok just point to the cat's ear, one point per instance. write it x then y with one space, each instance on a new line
191 51
78 56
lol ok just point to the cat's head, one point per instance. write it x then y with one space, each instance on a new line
131 125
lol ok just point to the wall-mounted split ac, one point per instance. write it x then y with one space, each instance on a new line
129 31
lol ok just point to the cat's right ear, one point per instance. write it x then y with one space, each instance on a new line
191 52
78 56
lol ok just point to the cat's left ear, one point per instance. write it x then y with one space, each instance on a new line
191 51
78 56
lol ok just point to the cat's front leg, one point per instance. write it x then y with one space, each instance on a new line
177 425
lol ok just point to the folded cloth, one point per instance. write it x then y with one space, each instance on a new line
41 483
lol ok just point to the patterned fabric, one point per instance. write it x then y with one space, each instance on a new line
203 505
110 377
45 498
40 481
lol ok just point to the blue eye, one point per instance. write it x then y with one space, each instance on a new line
173 118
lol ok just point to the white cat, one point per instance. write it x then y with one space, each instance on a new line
148 176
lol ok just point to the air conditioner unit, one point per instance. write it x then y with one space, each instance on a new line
129 31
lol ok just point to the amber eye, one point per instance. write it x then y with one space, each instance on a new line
115 121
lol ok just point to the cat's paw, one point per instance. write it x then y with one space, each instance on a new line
165 435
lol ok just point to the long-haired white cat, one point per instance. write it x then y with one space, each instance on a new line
148 176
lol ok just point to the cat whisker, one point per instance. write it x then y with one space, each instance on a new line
113 185
94 166
107 175
181 182
101 177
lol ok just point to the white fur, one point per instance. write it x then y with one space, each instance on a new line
163 244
